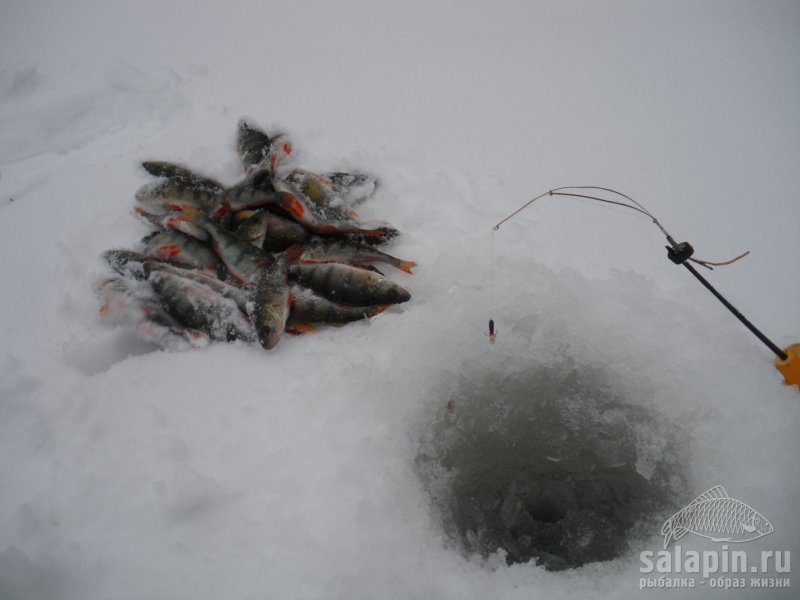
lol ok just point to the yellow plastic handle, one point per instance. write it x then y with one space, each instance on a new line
790 368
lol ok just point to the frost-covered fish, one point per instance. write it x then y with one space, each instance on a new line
303 213
173 220
387 232
257 150
322 193
309 308
243 196
237 294
174 171
348 252
126 301
353 188
253 229
243 260
337 192
199 307
261 179
169 195
716 516
170 336
271 302
178 187
252 144
120 299
270 231
346 284
131 264
182 248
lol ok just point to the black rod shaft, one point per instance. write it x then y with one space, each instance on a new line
767 342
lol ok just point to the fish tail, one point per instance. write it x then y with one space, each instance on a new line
666 531
405 265
146 216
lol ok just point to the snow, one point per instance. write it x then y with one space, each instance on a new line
227 471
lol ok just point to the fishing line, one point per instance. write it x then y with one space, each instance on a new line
491 333
491 276
679 253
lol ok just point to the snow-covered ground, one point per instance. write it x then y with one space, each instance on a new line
231 472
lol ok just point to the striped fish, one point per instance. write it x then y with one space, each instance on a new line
718 517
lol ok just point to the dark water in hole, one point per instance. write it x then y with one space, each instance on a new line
553 464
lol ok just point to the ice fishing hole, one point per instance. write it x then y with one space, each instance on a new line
555 464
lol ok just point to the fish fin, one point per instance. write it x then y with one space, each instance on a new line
261 179
388 232
159 168
196 216
727 539
193 214
300 328
371 311
359 266
171 338
222 209
379 309
715 493
153 167
292 205
666 527
372 268
149 217
241 216
679 532
380 234
180 222
168 250
293 253
748 528
666 531
406 265
146 239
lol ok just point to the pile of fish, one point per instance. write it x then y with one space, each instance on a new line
280 251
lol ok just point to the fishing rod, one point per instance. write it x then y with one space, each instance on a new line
787 360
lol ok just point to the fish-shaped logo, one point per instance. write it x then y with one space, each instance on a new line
718 517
